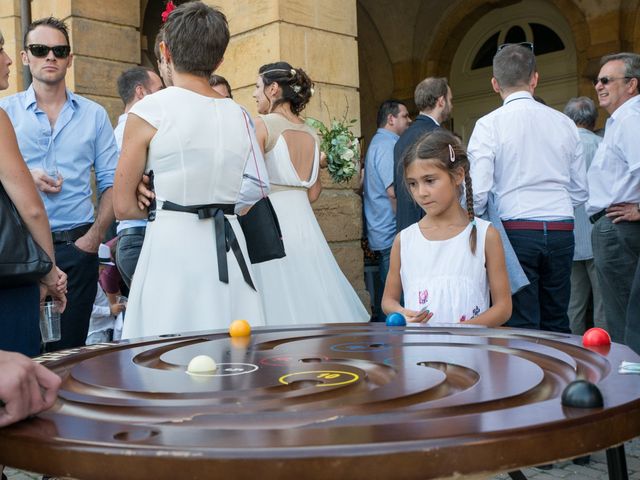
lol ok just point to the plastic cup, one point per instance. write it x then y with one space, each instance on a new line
121 299
50 321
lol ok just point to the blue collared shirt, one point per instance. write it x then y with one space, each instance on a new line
378 176
81 139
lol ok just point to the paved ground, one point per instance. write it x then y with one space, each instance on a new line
596 470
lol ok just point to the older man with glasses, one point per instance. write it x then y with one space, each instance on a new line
614 197
63 137
529 156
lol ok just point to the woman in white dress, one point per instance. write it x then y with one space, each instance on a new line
197 143
307 285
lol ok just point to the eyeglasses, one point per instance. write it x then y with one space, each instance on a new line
528 45
40 51
606 80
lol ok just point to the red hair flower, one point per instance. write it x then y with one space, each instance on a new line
170 8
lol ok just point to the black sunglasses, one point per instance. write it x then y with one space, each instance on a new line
60 51
528 45
606 80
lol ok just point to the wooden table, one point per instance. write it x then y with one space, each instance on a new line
357 401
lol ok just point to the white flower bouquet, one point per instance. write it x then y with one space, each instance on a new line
340 146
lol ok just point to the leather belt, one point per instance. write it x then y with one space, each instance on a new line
597 216
566 226
132 231
70 236
223 233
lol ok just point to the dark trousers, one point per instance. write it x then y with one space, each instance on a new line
19 313
616 249
632 330
82 283
127 254
546 258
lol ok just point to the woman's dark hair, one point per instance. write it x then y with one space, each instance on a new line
295 84
445 150
197 36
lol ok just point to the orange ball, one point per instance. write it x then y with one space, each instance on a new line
239 328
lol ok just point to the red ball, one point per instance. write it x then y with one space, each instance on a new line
595 337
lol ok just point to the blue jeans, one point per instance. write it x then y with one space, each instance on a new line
546 258
19 313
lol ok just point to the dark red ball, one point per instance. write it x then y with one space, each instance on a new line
596 337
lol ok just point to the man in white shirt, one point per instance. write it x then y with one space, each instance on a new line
133 85
529 156
614 197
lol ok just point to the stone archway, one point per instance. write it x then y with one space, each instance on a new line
447 40
535 21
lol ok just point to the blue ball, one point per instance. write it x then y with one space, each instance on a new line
396 319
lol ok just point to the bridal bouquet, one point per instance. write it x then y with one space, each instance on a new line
340 146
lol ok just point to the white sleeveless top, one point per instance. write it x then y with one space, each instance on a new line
443 275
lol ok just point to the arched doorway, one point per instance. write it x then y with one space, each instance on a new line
536 21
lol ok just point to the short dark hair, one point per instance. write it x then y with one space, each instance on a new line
388 107
513 66
50 22
197 36
215 79
296 85
130 79
631 64
582 111
428 91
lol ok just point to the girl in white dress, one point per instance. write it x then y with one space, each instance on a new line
198 145
446 265
307 285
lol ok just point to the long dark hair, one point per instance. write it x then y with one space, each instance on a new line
295 84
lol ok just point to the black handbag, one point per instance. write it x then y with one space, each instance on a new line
260 225
22 260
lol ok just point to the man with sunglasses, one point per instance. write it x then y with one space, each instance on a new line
63 137
614 197
529 156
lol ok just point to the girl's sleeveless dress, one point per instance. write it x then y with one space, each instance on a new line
443 276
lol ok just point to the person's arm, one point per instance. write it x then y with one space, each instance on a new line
628 144
500 309
261 133
20 188
393 290
481 159
106 158
578 176
26 387
137 137
255 179
391 193
313 193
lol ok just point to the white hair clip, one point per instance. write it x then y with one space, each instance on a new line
312 91
296 88
293 72
452 154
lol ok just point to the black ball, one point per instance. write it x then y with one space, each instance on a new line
582 394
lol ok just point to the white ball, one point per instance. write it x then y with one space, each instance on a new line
201 364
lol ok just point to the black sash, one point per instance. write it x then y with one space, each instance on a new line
223 233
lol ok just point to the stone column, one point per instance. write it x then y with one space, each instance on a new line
321 38
12 33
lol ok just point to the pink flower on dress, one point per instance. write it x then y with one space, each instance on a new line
423 296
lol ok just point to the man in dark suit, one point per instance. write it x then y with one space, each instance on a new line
434 100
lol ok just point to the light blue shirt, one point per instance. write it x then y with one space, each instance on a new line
378 176
590 142
81 139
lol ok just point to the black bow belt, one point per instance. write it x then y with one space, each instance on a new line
223 233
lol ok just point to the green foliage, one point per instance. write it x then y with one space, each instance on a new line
340 146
